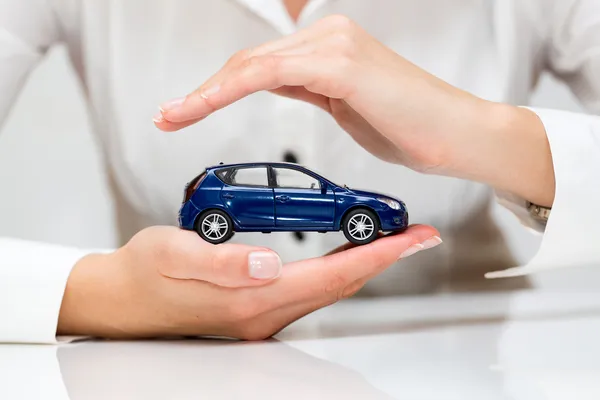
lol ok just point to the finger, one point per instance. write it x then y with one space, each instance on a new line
319 74
314 41
296 40
422 235
333 43
300 38
226 265
167 126
349 246
425 242
300 93
295 92
292 312
297 43
327 277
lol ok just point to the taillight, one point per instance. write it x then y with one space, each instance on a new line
191 187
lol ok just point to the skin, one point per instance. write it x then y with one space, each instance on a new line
394 109
168 282
295 7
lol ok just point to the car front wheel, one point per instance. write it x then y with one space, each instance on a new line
361 226
214 226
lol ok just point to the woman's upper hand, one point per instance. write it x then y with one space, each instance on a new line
169 282
374 94
394 109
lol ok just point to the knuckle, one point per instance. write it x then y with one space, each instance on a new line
253 62
260 72
247 63
342 43
351 290
239 57
267 62
217 262
341 22
272 62
337 81
424 161
335 284
343 64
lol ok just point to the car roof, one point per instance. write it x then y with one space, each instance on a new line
259 164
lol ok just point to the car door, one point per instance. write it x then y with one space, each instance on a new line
301 201
248 197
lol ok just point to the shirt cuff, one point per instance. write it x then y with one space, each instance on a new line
33 278
570 235
518 206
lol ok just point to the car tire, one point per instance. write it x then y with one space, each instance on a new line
214 226
361 226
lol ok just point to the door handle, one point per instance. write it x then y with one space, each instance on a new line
228 196
282 198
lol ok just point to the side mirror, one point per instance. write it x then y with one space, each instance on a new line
323 187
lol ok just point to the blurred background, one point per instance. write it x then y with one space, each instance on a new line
51 167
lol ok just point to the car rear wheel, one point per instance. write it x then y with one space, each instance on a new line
214 226
361 226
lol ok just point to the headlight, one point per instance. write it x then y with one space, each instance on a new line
393 204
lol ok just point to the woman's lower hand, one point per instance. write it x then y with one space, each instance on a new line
394 109
169 282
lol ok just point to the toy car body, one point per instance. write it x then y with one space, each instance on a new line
268 197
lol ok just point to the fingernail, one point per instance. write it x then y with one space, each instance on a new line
172 105
432 242
158 118
264 265
206 93
415 248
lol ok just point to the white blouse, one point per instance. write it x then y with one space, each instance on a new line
132 55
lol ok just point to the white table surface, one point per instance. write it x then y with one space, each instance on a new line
523 345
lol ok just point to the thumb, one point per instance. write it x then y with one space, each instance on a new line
227 265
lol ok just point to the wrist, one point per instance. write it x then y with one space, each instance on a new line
90 301
509 150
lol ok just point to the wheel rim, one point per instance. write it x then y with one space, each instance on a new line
214 226
361 226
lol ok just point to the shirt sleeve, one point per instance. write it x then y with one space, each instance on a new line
32 275
33 278
573 55
28 28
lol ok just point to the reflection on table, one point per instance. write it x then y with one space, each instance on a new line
524 345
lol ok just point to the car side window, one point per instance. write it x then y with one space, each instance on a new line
292 178
255 176
222 175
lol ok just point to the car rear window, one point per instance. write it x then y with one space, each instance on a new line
193 185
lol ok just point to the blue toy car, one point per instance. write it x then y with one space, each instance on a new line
268 197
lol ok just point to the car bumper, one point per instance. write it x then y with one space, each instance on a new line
187 215
393 220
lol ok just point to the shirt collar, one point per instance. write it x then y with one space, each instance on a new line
275 13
